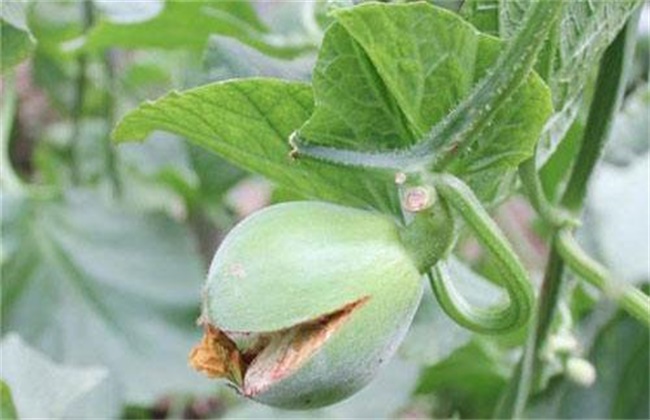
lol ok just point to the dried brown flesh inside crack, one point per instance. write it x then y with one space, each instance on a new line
217 356
263 359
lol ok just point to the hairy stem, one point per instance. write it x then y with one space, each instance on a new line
610 87
629 298
458 130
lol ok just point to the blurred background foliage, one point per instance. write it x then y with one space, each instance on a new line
104 248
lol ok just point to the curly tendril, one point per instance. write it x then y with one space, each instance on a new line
515 278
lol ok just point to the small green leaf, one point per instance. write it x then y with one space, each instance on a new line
553 173
248 122
17 40
43 389
586 29
470 381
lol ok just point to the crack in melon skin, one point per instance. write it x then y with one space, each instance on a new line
273 355
285 355
315 297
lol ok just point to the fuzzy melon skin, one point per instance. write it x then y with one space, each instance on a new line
295 262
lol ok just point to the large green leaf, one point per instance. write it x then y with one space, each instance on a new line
43 389
92 283
571 54
387 74
249 122
188 24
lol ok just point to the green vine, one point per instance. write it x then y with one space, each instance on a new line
610 86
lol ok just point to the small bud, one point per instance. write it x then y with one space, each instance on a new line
563 343
580 371
400 178
418 198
